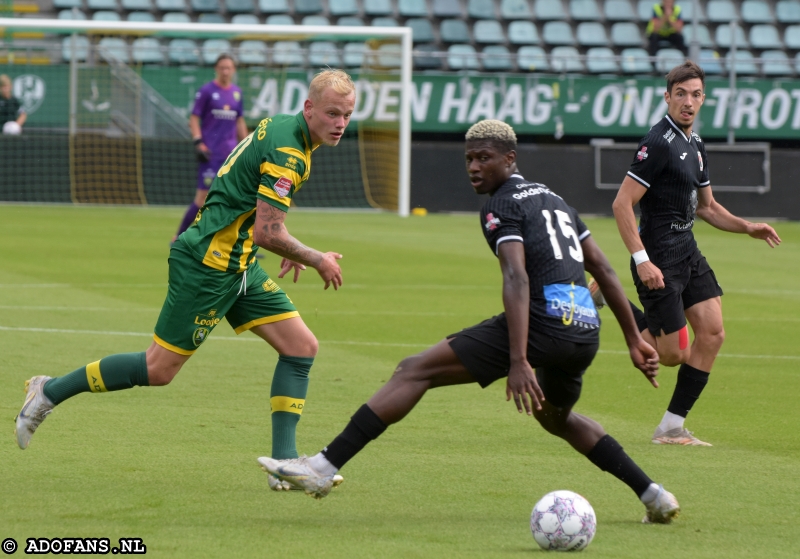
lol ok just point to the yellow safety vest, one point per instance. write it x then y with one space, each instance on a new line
665 31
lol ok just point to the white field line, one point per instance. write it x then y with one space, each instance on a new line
156 309
332 342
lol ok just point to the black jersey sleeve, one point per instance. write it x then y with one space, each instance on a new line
704 178
649 160
580 226
502 221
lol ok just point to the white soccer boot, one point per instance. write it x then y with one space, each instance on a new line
298 473
662 509
679 436
33 412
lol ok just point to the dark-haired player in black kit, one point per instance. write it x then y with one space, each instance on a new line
669 180
550 324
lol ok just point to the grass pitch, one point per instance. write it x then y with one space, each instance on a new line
176 466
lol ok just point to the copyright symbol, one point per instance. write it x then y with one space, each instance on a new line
9 546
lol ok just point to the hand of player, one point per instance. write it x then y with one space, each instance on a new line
521 385
645 358
764 232
650 275
329 270
203 153
287 265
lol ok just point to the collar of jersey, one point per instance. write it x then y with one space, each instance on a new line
675 126
304 129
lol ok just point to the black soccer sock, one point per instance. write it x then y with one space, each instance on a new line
364 427
609 456
638 316
690 385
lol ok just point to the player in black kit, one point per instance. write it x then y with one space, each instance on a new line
669 180
550 324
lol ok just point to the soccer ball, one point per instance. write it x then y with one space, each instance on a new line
12 128
563 521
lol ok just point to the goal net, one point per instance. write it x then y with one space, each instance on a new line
108 103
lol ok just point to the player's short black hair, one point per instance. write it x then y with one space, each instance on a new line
495 132
685 72
224 56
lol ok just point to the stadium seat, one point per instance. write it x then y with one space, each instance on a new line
462 57
183 51
723 37
703 35
133 5
720 11
273 6
307 6
584 10
147 50
74 13
454 31
141 16
667 59
342 7
601 60
212 48
788 11
549 9
315 20
710 62
211 18
389 56
775 63
287 53
353 55
447 8
205 6
245 19
81 48
523 32
384 22
557 33
280 19
532 59
765 36
240 6
566 59
591 34
58 4
412 8
421 29
635 61
252 52
515 9
324 53
626 34
425 57
176 17
756 11
619 10
797 62
481 9
687 11
745 65
488 31
350 21
792 37
378 7
644 9
497 58
101 4
114 47
105 15
171 5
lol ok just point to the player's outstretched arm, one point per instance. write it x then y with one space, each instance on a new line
644 357
716 215
269 232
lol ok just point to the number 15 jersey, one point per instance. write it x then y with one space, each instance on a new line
551 233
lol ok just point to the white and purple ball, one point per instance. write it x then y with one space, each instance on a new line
563 521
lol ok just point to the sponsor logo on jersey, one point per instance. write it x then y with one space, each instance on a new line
541 189
291 162
696 137
683 156
211 319
208 176
283 186
270 285
491 222
224 114
642 153
215 95
572 304
237 96
669 136
700 159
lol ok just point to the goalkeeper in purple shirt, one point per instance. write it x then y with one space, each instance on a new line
217 125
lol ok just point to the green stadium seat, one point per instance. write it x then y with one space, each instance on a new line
245 19
324 53
723 37
81 48
176 17
481 9
532 59
240 6
105 15
378 7
447 8
775 63
566 59
280 19
147 50
584 10
212 48
788 11
133 5
710 62
667 59
421 29
425 59
353 55
115 47
205 5
488 31
757 11
384 22
315 20
497 58
454 31
515 9
183 51
389 56
273 6
765 36
703 35
252 52
171 6
462 57
412 8
522 32
721 11
557 33
745 65
350 21
792 37
591 34
619 10
287 53
342 7
141 16
307 6
211 18
635 61
58 4
549 9
626 34
74 14
101 4
601 60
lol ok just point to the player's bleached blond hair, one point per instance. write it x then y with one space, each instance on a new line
495 132
4 80
338 80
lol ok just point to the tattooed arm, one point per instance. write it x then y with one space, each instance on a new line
270 233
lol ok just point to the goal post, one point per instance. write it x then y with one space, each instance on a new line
118 118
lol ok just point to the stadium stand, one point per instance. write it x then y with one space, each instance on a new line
532 59
584 10
721 11
566 59
422 30
788 11
481 9
497 58
619 10
591 34
775 63
756 11
462 57
626 34
252 52
765 36
377 8
522 32
636 61
745 65
601 60
488 31
515 9
273 6
703 35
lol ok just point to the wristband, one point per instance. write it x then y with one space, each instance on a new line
640 257
198 141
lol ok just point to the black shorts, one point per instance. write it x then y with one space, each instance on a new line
687 283
559 364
